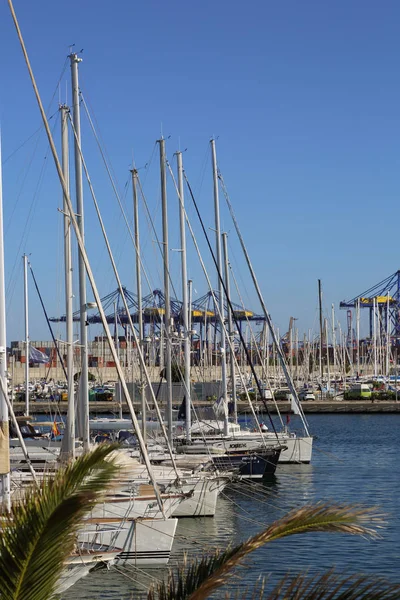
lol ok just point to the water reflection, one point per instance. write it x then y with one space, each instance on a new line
355 460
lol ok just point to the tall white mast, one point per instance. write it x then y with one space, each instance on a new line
167 314
321 333
70 432
185 304
266 352
116 341
27 352
83 384
139 296
220 286
230 326
327 357
88 267
375 338
190 294
275 338
116 328
358 334
4 436
388 338
334 343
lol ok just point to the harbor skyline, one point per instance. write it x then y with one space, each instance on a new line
307 187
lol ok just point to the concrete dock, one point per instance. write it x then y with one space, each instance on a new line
316 407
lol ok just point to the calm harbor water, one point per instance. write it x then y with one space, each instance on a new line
356 459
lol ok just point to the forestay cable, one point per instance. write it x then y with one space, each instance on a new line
266 313
216 304
89 271
121 291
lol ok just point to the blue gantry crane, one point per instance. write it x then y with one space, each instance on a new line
153 305
385 295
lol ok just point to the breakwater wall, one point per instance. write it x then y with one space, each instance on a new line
317 407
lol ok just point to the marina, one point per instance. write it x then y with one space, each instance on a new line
368 478
159 402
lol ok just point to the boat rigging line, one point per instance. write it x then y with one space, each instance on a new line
114 187
88 268
10 288
41 127
216 305
252 336
288 376
53 337
123 297
159 243
230 306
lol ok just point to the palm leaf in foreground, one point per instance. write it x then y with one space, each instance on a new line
39 534
333 586
207 574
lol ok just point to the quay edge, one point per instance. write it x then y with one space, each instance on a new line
313 407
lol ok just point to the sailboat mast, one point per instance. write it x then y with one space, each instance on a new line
375 340
274 335
321 331
139 296
190 294
334 343
116 342
70 431
82 249
185 304
116 327
220 286
27 352
83 384
230 325
358 334
4 439
167 314
388 338
266 350
327 356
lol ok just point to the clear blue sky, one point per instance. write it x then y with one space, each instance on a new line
303 96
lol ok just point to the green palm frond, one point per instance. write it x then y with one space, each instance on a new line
324 586
333 586
188 578
40 532
207 574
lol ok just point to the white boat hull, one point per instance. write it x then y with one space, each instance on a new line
297 449
136 507
79 566
142 542
152 543
203 502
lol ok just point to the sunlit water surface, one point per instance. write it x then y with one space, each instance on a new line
355 460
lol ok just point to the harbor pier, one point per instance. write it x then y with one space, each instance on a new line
316 407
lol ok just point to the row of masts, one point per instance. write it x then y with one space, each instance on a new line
222 267
82 413
308 360
75 221
226 326
78 420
